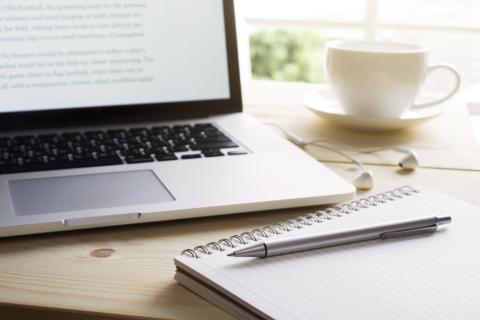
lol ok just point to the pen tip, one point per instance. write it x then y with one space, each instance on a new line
231 254
444 220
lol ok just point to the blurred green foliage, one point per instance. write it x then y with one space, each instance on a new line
287 56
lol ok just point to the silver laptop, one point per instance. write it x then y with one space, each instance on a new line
136 116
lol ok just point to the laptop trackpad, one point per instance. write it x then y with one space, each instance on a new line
84 192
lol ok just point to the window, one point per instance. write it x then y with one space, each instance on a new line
283 39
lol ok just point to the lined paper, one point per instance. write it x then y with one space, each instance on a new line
424 277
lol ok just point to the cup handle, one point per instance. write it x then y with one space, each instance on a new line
456 87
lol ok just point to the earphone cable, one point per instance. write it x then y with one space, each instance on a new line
298 141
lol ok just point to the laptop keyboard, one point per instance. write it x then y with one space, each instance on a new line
113 147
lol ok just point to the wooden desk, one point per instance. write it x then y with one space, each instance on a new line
447 141
127 272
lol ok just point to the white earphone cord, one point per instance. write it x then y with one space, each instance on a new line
365 179
301 143
346 156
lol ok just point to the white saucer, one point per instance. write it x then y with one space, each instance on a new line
329 109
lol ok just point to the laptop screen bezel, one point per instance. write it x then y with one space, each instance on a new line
28 120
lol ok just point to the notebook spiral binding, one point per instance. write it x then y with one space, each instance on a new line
299 222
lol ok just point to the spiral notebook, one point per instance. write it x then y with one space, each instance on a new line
423 277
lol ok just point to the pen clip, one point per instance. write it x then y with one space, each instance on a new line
409 232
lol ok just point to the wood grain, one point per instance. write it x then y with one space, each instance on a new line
61 272
444 142
127 272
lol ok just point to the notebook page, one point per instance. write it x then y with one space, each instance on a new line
429 277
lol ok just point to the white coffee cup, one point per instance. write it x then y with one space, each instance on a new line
379 79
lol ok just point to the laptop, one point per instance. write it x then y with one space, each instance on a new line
132 113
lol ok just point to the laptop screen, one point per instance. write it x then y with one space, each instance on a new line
63 54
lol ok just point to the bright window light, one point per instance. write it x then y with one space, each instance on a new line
283 40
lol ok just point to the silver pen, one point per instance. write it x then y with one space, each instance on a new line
389 230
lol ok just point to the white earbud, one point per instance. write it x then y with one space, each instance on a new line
364 181
410 161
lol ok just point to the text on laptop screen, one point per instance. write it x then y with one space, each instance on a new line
59 54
